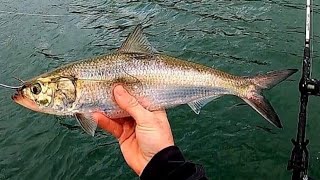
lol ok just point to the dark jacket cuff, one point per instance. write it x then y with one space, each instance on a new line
169 163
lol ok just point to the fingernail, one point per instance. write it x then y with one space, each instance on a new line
120 91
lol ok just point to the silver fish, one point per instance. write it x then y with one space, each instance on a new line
158 82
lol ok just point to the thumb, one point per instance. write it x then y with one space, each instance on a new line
130 104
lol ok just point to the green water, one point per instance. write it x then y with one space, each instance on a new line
240 37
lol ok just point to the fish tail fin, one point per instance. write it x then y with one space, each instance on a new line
270 79
257 101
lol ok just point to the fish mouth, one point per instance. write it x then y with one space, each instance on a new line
16 97
18 94
19 98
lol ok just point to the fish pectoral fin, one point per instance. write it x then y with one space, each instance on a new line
130 83
137 42
86 121
199 103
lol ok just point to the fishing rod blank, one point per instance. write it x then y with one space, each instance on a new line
300 156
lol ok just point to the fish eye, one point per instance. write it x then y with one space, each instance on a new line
36 89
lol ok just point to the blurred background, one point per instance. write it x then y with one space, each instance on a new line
228 138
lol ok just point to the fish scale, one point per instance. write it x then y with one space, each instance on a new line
154 75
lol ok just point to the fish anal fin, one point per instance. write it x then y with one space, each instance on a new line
86 121
199 103
137 42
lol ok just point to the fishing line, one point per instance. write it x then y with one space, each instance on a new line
11 87
312 33
22 81
43 15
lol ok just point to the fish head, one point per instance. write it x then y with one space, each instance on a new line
48 95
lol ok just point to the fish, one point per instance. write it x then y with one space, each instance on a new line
156 80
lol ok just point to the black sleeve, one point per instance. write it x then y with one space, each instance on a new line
169 163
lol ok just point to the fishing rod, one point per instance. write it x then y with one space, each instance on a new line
308 86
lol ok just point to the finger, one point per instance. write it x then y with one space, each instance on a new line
161 113
130 104
112 126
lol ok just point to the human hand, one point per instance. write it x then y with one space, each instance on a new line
140 136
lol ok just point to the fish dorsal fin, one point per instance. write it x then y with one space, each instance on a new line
86 121
199 103
137 42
